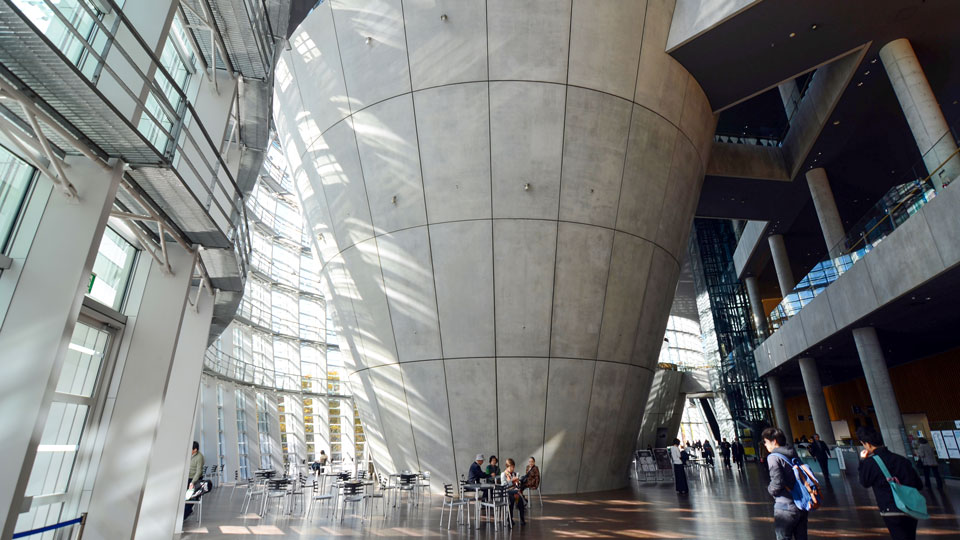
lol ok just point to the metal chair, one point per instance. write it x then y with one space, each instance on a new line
352 494
408 484
254 489
387 486
499 505
297 491
318 497
423 485
198 504
452 499
377 494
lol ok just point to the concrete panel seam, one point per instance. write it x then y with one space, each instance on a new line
402 229
308 145
628 364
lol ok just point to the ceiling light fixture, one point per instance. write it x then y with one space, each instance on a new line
814 26
793 34
859 84
836 122
874 61
866 72
443 17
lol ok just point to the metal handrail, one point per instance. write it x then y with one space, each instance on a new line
221 364
177 117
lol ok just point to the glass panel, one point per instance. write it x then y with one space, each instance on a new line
60 441
15 177
112 269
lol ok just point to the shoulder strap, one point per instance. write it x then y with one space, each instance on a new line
883 467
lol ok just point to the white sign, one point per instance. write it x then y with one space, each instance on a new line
938 444
950 441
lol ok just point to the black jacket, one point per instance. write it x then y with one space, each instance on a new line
737 451
781 477
898 466
476 474
819 449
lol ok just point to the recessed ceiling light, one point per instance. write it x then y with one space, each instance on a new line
860 83
813 26
793 34
867 72
819 153
836 122
874 61
954 102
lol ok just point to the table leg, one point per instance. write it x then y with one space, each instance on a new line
476 502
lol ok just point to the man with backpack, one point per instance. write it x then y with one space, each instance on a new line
789 521
892 469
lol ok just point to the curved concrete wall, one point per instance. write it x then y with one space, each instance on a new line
500 203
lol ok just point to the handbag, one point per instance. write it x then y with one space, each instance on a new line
908 499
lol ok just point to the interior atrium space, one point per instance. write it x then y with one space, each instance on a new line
479 268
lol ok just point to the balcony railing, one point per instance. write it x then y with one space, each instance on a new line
223 365
890 212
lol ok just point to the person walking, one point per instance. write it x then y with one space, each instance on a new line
928 460
725 452
708 453
738 452
900 525
679 472
790 522
821 452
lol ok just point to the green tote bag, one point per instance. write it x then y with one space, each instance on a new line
909 500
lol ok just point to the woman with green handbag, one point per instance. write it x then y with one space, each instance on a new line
895 484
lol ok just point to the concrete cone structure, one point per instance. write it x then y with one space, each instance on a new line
501 193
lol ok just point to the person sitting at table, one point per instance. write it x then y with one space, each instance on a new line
493 469
477 474
510 479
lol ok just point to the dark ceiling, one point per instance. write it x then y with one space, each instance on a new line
868 152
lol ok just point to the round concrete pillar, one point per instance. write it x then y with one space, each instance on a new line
816 399
881 389
830 224
781 263
756 305
500 199
779 407
923 113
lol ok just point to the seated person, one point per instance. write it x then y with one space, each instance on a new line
531 480
477 474
511 479
493 469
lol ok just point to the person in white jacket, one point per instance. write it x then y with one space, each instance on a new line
679 473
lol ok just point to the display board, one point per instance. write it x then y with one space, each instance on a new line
950 442
938 444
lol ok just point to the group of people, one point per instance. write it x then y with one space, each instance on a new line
790 522
727 450
509 477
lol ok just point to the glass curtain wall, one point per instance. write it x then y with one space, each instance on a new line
282 342
727 324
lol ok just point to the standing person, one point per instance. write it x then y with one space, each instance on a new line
821 452
725 452
511 479
493 469
708 453
323 459
679 473
928 460
789 521
195 475
900 525
738 452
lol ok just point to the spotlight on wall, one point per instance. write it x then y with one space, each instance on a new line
394 200
368 40
526 187
443 17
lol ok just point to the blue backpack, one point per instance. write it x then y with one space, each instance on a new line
909 500
806 490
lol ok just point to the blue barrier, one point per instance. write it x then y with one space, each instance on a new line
48 528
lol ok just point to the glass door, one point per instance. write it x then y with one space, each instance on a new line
63 458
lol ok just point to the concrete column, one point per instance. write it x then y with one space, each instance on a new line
138 396
231 452
921 109
826 206
779 406
781 263
818 403
756 305
40 299
790 95
162 507
881 389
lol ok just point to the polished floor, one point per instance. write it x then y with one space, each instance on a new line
722 504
